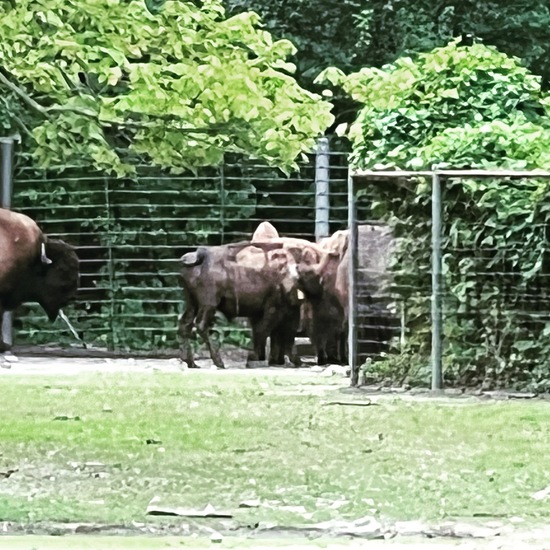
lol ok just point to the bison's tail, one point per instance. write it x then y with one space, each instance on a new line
192 259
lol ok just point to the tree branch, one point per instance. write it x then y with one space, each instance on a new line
128 123
35 105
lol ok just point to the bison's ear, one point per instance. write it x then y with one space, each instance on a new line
192 259
189 259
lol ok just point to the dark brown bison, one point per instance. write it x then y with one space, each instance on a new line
325 285
299 252
34 268
253 280
324 313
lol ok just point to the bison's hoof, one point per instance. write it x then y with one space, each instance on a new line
4 347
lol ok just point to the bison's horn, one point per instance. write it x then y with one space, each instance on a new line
43 258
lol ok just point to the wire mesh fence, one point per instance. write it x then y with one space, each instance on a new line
130 234
466 281
467 277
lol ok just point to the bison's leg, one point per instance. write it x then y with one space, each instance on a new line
262 328
293 326
205 320
319 340
334 356
185 331
3 346
258 348
277 351
322 358
343 347
282 339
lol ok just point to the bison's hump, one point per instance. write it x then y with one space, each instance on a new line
264 232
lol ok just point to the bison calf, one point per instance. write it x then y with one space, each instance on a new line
324 314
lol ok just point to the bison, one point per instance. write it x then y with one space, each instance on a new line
33 267
257 280
253 280
325 287
299 252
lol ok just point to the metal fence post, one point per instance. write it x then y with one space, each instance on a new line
111 262
437 317
221 172
6 176
322 178
352 298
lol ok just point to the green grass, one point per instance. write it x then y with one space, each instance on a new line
228 437
102 542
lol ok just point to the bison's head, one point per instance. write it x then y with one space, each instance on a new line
59 279
314 280
310 281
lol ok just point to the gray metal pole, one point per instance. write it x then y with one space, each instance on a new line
7 170
352 297
6 177
322 179
437 317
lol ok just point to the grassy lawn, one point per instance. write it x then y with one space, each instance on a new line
99 447
88 542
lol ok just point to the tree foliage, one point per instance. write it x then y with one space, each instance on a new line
325 32
434 107
518 28
352 34
108 81
465 107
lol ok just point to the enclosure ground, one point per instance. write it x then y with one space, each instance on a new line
88 444
535 540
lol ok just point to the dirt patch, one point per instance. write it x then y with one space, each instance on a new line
309 379
448 535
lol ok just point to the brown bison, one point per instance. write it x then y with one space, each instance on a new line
326 288
253 280
299 252
257 280
34 268
325 312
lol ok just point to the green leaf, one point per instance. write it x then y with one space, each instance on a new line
186 69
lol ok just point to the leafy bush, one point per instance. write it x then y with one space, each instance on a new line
465 107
